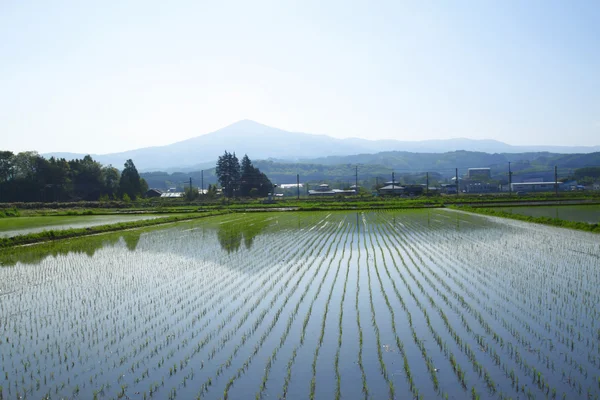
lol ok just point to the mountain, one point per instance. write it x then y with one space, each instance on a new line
408 167
264 142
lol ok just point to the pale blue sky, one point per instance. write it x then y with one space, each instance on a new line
107 76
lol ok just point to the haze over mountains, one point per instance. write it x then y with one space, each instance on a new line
263 142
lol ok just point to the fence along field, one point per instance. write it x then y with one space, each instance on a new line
387 304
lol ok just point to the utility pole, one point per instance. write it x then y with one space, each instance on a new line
393 183
190 183
356 179
202 178
556 180
427 183
456 177
509 180
298 186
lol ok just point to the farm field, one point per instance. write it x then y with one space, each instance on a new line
22 225
579 213
386 304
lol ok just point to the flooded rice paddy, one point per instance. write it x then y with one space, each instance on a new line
387 304
23 225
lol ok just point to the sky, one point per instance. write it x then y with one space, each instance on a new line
108 76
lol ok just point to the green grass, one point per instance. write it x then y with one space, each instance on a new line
582 226
577 213
309 203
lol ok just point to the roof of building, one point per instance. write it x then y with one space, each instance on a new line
536 183
172 194
392 187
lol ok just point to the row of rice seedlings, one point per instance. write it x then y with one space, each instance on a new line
547 358
175 368
291 319
551 268
65 353
382 366
365 388
540 382
338 383
322 334
306 320
260 296
494 355
246 336
399 344
330 233
181 341
462 344
460 373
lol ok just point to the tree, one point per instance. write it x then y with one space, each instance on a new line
191 193
253 183
7 159
130 182
228 173
211 192
87 178
112 178
25 164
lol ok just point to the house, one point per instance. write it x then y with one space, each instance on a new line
171 195
394 189
153 193
448 188
290 185
324 190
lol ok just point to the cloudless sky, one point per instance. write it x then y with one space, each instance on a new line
107 76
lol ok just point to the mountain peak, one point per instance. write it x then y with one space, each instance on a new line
244 124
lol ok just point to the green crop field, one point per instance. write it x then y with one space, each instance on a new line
398 304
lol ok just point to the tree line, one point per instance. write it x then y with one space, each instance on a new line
241 180
27 176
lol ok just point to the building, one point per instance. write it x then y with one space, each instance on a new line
290 185
448 188
153 193
324 190
171 195
528 187
481 187
394 189
479 173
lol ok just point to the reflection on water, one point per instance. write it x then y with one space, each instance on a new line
88 245
231 234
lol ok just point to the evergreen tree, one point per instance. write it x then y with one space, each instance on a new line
228 173
253 182
130 182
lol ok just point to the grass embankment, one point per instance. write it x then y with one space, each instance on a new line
70 233
582 226
304 203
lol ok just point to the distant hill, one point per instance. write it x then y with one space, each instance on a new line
408 166
264 142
